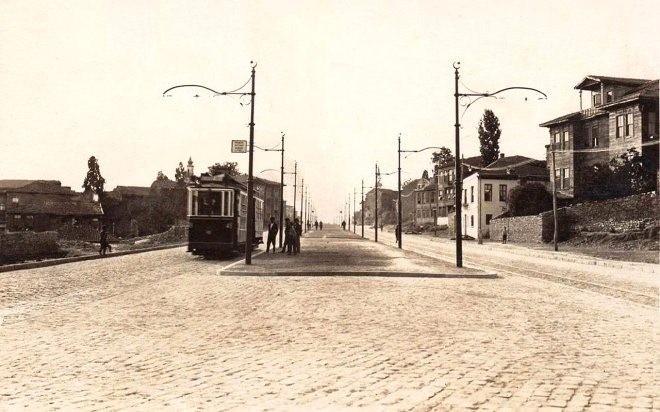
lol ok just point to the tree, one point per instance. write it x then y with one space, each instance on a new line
489 137
161 176
624 175
443 157
425 175
94 182
230 168
180 173
529 199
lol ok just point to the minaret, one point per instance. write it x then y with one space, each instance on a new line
191 169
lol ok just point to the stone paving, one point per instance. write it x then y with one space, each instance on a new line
163 331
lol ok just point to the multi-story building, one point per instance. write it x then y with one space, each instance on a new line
445 180
269 191
486 190
42 205
623 114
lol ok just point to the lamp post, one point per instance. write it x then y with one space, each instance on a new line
281 185
249 242
457 154
400 218
362 209
295 187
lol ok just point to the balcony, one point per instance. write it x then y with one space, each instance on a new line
590 112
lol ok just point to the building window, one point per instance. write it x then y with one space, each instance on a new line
14 200
565 178
471 193
596 99
17 217
464 195
594 135
558 178
471 220
609 96
419 198
564 143
488 192
2 206
29 217
488 218
503 192
629 124
653 124
620 125
557 139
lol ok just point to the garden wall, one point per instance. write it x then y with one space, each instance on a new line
18 246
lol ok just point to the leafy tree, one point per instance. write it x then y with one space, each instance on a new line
489 137
529 199
180 173
443 157
94 182
624 175
161 176
425 174
230 168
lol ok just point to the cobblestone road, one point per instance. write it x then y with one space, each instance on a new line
162 330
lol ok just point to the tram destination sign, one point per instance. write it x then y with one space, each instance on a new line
239 146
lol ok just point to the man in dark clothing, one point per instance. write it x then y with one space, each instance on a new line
286 247
321 225
272 234
397 233
296 240
316 225
105 245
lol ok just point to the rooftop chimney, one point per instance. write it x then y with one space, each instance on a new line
501 155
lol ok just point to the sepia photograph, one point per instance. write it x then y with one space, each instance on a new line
329 205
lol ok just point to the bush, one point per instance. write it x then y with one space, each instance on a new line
529 199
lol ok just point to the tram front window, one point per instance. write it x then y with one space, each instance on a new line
209 203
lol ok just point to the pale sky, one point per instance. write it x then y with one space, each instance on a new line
341 78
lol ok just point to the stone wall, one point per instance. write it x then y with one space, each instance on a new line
632 213
527 229
18 246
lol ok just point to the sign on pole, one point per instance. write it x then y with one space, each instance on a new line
239 146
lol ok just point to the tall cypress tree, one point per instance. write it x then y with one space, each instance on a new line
489 137
94 182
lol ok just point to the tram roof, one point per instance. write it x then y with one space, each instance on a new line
219 180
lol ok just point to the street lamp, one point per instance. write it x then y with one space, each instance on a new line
457 154
250 218
399 217
281 184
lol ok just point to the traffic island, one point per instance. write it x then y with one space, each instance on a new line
345 254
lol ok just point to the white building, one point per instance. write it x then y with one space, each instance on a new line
486 190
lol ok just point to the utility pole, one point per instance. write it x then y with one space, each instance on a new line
354 210
398 205
554 202
362 209
282 194
295 187
302 192
376 206
349 212
459 179
250 217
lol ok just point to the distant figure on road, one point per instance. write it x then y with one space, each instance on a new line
288 228
321 225
105 245
343 224
316 225
298 232
397 233
272 234
381 227
504 235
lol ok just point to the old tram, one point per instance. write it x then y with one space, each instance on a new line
217 216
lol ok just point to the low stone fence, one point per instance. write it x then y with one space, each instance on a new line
628 214
18 246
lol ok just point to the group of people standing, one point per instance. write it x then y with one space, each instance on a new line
292 232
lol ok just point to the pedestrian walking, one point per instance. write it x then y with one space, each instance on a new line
381 227
504 235
272 234
298 233
105 245
343 225
321 225
286 247
397 233
316 225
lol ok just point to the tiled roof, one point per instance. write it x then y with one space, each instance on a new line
132 190
219 180
57 208
34 186
516 167
592 79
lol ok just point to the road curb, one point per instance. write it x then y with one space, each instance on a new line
361 274
61 261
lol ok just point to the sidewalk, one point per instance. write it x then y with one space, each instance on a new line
334 252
